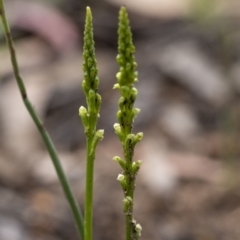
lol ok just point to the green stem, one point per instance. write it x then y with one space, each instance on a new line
130 182
128 220
88 210
128 227
45 136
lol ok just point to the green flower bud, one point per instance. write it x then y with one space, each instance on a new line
127 203
136 166
122 180
119 117
98 101
119 58
134 91
117 128
100 134
89 61
138 137
138 229
91 101
125 91
97 137
121 102
118 75
93 72
130 140
84 117
136 111
118 131
96 83
120 177
120 161
116 86
85 87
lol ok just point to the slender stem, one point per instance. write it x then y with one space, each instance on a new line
130 182
88 211
45 136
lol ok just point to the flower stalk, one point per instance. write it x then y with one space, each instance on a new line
89 118
43 132
126 78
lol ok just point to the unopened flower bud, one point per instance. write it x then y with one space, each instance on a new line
120 161
96 83
119 116
93 72
117 128
121 102
130 140
97 137
125 91
138 137
136 111
98 101
136 166
84 117
127 203
120 177
116 86
85 86
138 229
91 103
118 75
100 134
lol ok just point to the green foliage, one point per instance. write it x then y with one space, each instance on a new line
126 78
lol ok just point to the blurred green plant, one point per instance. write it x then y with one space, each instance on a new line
203 10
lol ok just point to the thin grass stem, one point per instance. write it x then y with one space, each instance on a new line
44 134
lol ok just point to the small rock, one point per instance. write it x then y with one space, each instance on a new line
157 173
178 121
45 172
10 229
185 63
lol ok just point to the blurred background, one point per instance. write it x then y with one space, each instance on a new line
189 93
